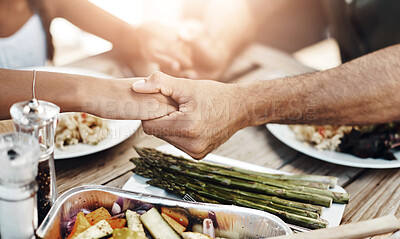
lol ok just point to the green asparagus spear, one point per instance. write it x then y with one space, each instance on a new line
251 186
172 163
332 181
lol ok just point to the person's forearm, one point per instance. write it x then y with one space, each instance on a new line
62 89
363 91
107 98
95 20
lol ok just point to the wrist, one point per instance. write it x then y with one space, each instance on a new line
242 112
259 104
92 94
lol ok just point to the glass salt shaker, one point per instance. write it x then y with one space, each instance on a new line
19 156
39 118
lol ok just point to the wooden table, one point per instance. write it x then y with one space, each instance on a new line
373 193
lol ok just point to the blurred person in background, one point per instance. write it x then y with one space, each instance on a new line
225 27
25 38
365 89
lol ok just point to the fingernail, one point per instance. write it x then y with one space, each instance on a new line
139 84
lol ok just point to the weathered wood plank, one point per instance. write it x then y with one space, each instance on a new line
256 145
375 193
120 181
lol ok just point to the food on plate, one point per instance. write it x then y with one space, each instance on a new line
377 141
143 225
374 141
321 137
297 199
74 128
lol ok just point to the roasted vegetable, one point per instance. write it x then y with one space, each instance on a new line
157 226
174 224
176 215
126 233
98 230
98 215
81 224
133 220
194 235
116 222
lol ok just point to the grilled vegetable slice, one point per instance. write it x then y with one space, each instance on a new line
176 215
194 235
157 226
174 224
126 233
81 224
98 215
116 222
133 220
98 230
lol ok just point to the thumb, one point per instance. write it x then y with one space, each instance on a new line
156 83
141 85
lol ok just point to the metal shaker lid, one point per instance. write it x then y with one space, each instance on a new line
34 113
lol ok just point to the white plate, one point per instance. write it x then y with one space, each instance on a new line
120 130
287 136
138 184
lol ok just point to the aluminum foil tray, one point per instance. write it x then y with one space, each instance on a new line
233 222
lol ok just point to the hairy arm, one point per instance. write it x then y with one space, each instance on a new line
363 91
102 97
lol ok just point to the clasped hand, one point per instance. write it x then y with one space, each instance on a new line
208 112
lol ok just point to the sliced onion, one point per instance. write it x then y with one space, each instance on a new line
70 224
213 217
116 209
120 202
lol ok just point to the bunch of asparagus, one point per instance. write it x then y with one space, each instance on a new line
297 199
